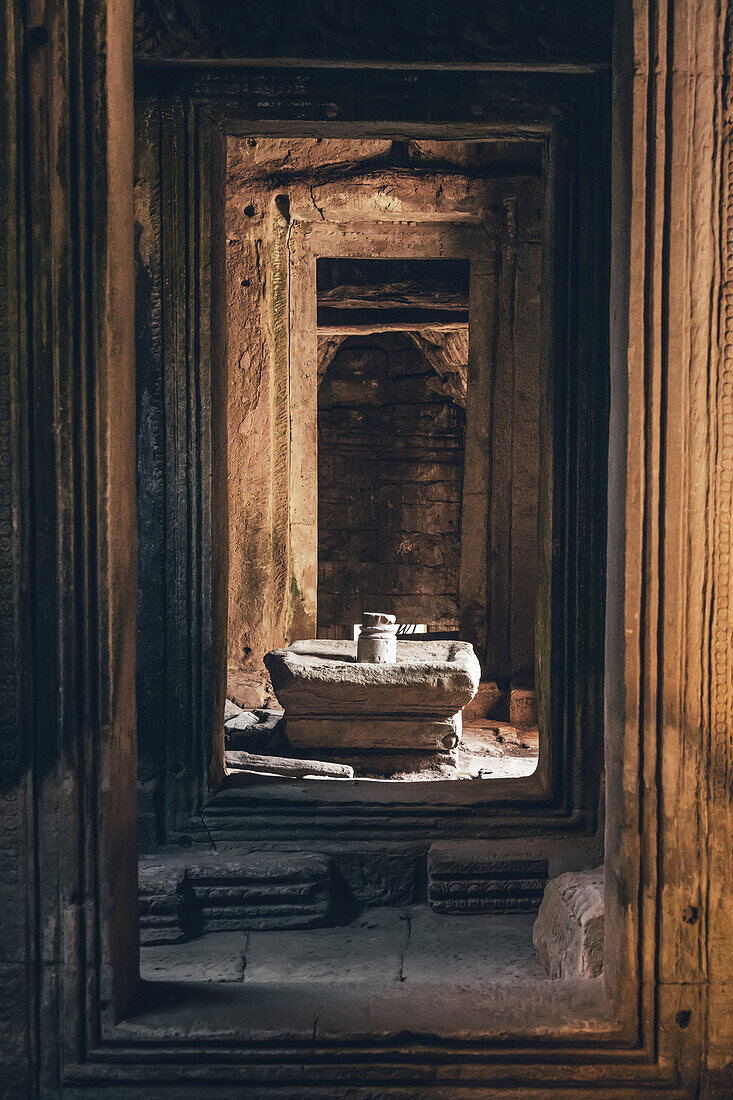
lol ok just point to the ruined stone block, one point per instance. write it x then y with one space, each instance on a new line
161 903
489 701
332 701
181 899
485 877
522 707
262 890
569 930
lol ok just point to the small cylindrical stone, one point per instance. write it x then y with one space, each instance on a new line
377 642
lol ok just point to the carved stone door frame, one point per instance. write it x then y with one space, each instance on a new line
68 942
189 109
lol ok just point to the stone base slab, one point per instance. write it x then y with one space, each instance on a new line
414 704
374 731
371 761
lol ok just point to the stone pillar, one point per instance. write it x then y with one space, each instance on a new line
473 577
377 642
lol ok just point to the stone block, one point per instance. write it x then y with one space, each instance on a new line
489 701
522 708
332 701
265 890
485 877
161 902
569 930
181 898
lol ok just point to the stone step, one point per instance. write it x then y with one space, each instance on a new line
259 890
486 876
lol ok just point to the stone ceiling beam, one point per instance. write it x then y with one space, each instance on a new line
335 321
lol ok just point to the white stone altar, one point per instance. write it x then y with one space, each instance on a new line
412 705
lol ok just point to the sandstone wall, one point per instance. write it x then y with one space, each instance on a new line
390 473
275 190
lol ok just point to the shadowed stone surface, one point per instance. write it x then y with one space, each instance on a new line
383 948
183 897
570 927
370 949
218 957
466 950
485 876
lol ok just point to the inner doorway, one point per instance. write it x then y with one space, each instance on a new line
384 343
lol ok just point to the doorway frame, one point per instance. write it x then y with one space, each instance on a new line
193 107
69 955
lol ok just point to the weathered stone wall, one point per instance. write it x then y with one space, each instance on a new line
390 474
260 170
274 188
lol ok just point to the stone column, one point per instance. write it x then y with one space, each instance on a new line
473 577
377 642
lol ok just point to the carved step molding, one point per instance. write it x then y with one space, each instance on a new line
268 891
486 877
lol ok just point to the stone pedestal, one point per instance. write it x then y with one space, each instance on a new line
332 701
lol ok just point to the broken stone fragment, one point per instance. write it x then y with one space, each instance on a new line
253 730
569 930
242 720
231 710
282 765
260 719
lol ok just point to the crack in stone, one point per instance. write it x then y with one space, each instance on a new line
244 955
408 920
212 842
313 200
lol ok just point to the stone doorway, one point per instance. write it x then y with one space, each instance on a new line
384 338
242 528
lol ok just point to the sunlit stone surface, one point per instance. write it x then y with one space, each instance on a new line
332 701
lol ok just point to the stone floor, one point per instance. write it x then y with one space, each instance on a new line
496 750
386 948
